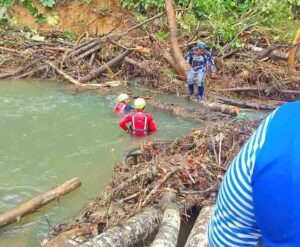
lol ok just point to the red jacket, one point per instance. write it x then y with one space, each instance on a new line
142 123
119 108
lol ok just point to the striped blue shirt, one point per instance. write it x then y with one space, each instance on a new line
253 194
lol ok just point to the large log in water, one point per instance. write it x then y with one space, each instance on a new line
168 232
130 233
37 202
198 235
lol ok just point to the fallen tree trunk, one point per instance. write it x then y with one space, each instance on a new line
132 232
169 230
198 235
37 202
89 52
229 110
106 66
243 104
175 48
85 47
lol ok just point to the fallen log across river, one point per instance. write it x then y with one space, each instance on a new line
37 202
199 114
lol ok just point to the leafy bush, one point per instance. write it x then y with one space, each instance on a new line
227 18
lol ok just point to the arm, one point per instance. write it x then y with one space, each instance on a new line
124 120
151 124
210 62
128 108
189 57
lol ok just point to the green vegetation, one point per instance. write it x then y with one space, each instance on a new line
226 19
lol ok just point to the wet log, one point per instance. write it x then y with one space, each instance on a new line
167 235
37 202
198 235
293 53
175 48
104 67
130 233
217 107
243 104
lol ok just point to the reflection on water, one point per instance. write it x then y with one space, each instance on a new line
48 136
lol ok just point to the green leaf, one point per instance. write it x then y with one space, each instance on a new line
48 3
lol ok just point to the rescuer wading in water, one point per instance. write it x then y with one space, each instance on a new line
141 122
123 105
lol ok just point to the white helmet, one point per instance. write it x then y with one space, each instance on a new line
122 97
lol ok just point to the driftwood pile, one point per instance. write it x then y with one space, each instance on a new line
191 167
259 72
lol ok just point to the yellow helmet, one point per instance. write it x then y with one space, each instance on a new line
122 97
139 103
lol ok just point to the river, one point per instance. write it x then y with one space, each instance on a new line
48 134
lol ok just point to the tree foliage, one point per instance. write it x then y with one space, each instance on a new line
227 18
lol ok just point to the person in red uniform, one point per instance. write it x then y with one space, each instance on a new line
141 122
123 105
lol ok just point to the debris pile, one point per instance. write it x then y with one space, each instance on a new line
191 166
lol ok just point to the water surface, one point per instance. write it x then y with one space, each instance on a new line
49 135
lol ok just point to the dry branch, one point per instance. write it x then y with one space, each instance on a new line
104 67
37 202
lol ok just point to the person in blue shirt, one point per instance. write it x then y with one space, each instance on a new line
259 198
198 60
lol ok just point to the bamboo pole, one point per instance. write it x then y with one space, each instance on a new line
198 235
130 233
37 202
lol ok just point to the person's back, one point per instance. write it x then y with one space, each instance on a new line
259 197
141 122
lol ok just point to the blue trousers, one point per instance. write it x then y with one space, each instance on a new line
200 76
